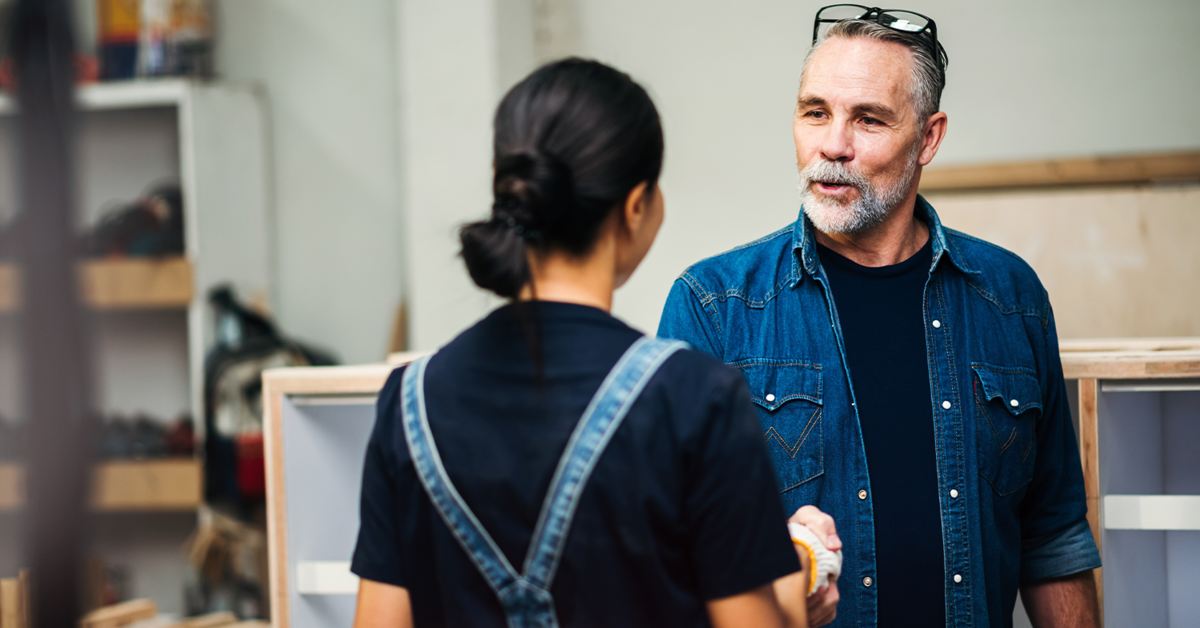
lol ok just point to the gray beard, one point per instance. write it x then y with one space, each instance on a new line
857 216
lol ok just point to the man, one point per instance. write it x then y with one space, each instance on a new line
907 375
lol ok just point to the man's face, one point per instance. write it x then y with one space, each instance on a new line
857 137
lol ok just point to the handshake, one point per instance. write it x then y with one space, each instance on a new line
826 565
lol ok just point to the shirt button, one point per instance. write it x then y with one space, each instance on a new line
957 578
954 493
770 398
937 324
1014 403
867 581
946 405
862 494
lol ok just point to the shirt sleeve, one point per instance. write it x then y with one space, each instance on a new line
1055 537
740 537
684 318
377 553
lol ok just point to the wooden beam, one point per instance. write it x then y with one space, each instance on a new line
1087 171
1089 453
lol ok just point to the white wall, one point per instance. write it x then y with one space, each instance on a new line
1027 79
381 116
329 73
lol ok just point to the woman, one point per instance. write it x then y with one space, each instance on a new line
550 466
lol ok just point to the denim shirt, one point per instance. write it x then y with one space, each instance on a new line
1012 500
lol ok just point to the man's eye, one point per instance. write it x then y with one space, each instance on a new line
819 115
870 121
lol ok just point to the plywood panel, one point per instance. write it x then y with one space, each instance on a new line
1116 262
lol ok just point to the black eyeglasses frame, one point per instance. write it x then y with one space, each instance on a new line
880 16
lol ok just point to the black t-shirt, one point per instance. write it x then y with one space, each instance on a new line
681 508
881 311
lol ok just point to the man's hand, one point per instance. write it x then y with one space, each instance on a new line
822 604
1067 602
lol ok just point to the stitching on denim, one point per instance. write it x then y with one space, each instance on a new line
770 362
705 300
773 434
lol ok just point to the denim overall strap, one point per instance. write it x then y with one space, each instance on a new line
595 429
526 599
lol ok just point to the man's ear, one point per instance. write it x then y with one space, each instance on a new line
935 132
637 204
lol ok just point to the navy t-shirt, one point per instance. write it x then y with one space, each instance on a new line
881 311
681 508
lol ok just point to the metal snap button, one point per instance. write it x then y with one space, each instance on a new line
867 581
957 578
770 398
954 493
937 324
946 405
862 494
1014 403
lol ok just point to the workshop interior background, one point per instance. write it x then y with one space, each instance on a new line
288 175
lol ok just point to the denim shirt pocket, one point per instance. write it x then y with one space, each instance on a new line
788 396
1008 404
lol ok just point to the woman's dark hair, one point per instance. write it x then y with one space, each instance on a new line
572 140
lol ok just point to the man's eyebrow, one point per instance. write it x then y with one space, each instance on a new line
811 101
876 110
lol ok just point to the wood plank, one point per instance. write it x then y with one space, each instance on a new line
137 283
121 614
10 287
1087 171
148 485
23 578
1131 364
1078 345
1089 451
12 486
275 383
172 484
10 603
211 620
118 284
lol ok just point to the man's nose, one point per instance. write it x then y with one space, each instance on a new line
838 143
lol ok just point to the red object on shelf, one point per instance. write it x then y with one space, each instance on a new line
251 467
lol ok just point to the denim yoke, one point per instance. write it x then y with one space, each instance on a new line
1011 492
526 597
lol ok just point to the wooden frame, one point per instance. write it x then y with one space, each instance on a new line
1088 171
277 383
1088 362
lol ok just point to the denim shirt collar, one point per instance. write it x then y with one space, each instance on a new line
805 249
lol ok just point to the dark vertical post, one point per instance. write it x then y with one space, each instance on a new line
54 344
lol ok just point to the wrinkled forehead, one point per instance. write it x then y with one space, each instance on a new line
854 68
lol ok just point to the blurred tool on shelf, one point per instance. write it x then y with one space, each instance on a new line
248 343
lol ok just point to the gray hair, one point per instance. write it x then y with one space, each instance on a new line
928 78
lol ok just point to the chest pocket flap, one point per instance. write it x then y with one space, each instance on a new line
1016 389
772 385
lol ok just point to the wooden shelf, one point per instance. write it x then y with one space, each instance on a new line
1087 171
120 95
1131 358
126 284
161 485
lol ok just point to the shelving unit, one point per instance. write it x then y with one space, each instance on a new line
152 325
1139 428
